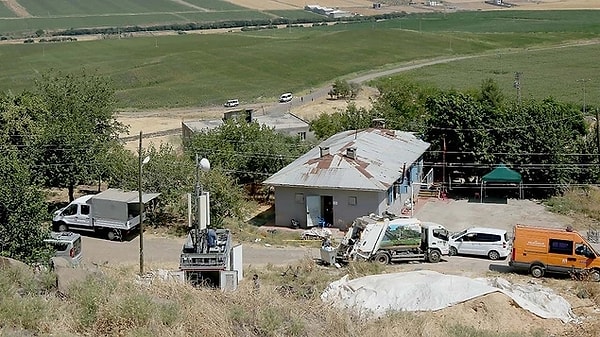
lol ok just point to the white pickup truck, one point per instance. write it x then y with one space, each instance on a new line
112 212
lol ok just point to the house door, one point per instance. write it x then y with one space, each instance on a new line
313 210
327 211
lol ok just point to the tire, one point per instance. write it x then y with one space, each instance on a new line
493 255
453 251
595 275
62 227
537 271
111 235
382 258
434 256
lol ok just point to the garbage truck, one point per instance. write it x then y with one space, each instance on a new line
385 240
113 213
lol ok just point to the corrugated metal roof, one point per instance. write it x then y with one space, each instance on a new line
279 122
129 197
380 156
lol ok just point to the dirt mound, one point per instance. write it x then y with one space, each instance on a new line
494 312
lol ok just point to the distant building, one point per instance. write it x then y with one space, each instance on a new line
288 123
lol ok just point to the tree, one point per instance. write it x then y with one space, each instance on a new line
22 213
79 128
353 118
250 152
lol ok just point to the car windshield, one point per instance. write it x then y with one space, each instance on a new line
456 235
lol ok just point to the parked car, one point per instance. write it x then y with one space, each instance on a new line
67 245
231 103
284 98
490 242
539 250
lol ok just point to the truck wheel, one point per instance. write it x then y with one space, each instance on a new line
537 271
453 251
62 227
595 275
382 258
493 255
434 256
111 235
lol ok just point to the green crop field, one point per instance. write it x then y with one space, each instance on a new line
215 5
204 69
6 13
92 7
559 73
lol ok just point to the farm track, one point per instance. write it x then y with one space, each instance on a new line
16 8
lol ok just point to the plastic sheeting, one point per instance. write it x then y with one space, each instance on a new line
429 291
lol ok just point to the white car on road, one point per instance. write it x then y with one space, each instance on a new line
490 242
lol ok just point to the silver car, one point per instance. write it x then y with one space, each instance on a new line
67 245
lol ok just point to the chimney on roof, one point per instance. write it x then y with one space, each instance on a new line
378 123
323 150
351 152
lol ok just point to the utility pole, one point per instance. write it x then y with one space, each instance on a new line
598 133
141 205
517 85
583 80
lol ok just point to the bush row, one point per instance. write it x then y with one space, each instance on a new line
222 24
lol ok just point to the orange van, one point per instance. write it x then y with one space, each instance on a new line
539 250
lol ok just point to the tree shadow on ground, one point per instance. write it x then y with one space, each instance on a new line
264 218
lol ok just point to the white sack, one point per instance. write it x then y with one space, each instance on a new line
426 290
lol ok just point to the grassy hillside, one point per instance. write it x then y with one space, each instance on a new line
205 69
287 303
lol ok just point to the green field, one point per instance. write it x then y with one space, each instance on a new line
556 72
6 13
215 5
205 69
44 8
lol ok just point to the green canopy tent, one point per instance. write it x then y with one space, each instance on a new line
502 175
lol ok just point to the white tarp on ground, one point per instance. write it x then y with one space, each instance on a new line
429 291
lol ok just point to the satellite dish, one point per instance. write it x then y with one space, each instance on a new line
204 164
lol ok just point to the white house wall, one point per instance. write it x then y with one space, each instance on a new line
290 204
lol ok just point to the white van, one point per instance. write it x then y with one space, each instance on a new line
490 242
231 103
284 98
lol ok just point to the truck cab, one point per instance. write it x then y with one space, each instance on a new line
76 215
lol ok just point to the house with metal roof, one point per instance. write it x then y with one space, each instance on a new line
351 174
288 123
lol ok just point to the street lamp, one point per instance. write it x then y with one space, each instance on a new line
141 204
204 165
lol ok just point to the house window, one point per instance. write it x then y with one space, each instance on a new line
561 247
300 198
302 135
352 201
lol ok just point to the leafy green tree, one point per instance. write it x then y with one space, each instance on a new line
250 152
353 118
79 128
402 104
22 213
459 121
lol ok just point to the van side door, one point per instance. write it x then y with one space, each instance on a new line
466 244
